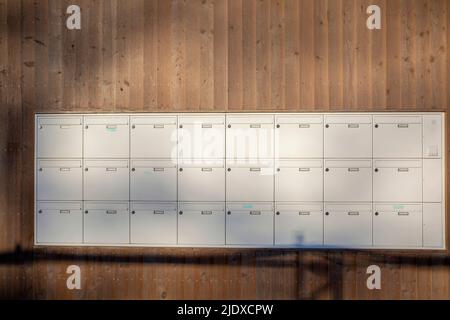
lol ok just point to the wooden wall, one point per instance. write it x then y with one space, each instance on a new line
210 55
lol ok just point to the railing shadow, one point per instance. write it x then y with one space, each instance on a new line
327 259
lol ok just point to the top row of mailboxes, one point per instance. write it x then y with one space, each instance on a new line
240 136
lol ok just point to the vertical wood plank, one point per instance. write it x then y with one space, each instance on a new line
235 55
292 54
178 55
249 54
163 62
363 58
136 52
206 55
263 74
394 83
349 56
335 59
277 56
408 57
193 55
378 74
439 54
151 46
221 55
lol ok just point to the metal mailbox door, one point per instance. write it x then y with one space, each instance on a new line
106 180
153 180
59 180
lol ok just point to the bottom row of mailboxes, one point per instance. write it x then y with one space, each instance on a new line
258 224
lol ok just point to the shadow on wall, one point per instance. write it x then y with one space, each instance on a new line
328 264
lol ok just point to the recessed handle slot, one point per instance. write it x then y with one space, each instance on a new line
111 126
304 213
403 125
304 169
158 126
255 169
158 169
64 127
304 126
158 212
64 211
206 213
403 169
64 169
353 169
207 126
111 169
255 213
353 213
353 126
111 211
207 169
255 126
403 213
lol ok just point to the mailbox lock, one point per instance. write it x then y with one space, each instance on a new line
376 213
229 169
327 213
278 126
87 127
134 169
181 212
133 127
40 211
86 212
229 126
229 212
133 212
327 169
327 126
376 126
181 169
86 169
40 169
376 169
278 213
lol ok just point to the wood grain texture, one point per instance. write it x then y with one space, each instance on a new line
211 55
